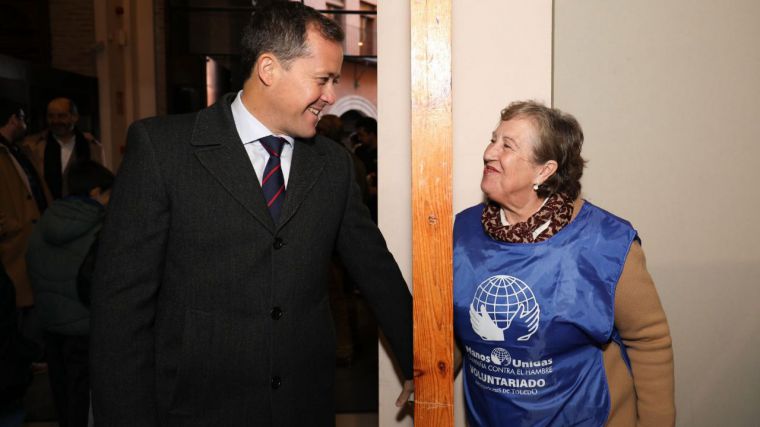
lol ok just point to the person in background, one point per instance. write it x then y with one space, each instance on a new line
557 317
366 150
61 145
23 198
340 284
366 134
331 126
57 248
17 354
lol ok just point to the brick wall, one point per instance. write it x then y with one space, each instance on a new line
72 36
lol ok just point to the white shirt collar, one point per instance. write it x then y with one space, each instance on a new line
66 142
249 128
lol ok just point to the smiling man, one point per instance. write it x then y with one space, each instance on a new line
210 303
62 145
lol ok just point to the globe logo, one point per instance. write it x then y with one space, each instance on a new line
501 301
500 356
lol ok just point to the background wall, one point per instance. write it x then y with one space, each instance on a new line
667 93
72 36
394 170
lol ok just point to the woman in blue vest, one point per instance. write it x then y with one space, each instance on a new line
557 319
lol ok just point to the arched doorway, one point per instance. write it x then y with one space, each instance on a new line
353 102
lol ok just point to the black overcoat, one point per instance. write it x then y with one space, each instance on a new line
204 311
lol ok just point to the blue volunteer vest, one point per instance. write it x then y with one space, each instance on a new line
532 318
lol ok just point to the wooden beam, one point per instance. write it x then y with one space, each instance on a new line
432 212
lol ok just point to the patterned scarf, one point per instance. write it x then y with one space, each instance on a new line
558 210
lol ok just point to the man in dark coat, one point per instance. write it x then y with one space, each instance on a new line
210 306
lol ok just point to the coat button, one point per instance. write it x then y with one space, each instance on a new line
278 243
276 313
276 382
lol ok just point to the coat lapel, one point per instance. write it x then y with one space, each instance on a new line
308 163
221 152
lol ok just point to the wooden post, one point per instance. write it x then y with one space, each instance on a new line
432 212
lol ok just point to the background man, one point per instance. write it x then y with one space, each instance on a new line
23 198
210 302
62 145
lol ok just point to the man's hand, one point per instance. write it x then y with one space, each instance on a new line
405 393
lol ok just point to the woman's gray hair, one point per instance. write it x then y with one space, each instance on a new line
559 138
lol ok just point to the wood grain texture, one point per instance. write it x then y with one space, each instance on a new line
432 212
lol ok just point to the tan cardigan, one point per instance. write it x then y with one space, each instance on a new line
645 398
18 214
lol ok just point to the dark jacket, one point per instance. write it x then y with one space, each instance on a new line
46 154
57 247
16 352
205 311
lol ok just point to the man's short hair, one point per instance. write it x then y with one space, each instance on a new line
84 175
7 109
368 124
280 28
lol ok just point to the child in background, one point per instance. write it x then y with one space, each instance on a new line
57 248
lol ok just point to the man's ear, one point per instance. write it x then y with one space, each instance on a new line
266 68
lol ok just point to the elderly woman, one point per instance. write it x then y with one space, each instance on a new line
557 318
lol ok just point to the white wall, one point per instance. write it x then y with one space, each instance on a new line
667 93
394 169
502 52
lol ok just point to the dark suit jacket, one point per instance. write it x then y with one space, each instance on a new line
204 311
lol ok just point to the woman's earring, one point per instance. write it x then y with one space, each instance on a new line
535 187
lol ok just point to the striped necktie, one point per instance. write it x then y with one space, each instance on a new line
273 181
